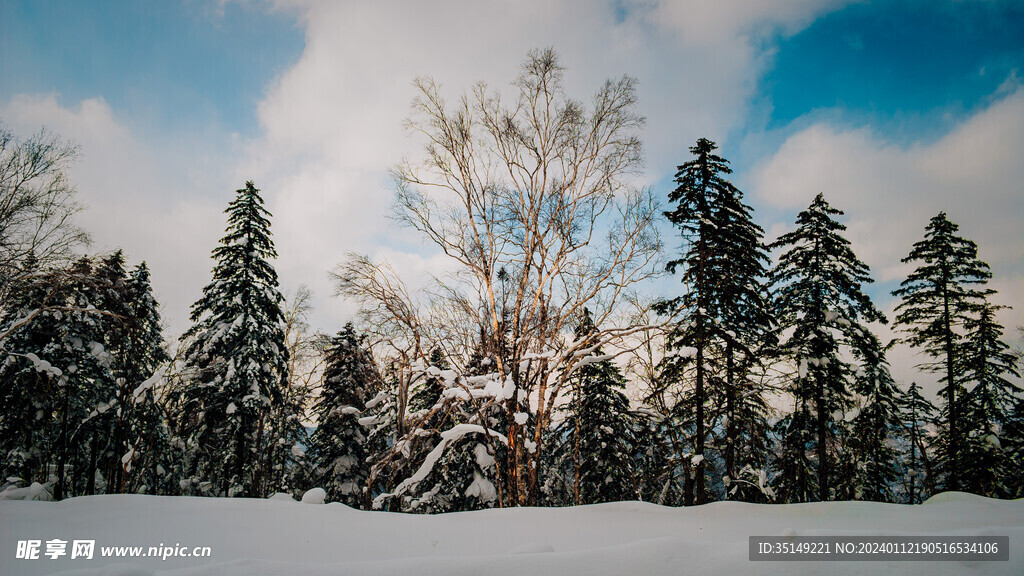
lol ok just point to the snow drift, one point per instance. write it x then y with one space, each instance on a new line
282 536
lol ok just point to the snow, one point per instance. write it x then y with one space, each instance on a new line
314 496
264 537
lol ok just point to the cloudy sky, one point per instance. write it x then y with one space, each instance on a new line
896 110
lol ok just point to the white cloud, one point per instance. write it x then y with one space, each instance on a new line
332 124
138 196
889 193
707 23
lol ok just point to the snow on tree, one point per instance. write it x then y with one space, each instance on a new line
725 315
987 363
1013 443
871 459
819 297
236 358
338 449
596 440
380 420
534 201
936 302
61 391
918 414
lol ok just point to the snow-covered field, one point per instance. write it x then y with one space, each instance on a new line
257 537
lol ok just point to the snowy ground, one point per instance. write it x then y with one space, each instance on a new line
263 537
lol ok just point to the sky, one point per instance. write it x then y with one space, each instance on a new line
895 110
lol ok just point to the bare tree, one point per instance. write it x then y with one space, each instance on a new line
305 346
37 204
535 203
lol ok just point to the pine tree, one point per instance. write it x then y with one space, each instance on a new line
876 426
1013 443
61 402
338 446
746 326
143 355
727 306
28 394
598 432
236 354
918 413
936 301
987 362
818 287
463 475
112 296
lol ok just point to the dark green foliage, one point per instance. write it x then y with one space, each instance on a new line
338 447
936 302
138 458
987 363
59 395
726 311
237 360
1013 443
818 295
598 446
918 415
873 431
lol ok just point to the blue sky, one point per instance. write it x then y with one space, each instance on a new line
162 65
913 69
895 110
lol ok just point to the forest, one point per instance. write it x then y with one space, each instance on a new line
538 370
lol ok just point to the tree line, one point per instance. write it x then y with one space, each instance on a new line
534 372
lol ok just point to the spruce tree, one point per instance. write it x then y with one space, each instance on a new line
28 394
746 327
727 313
113 296
338 446
818 289
1013 443
598 431
876 427
142 362
381 424
463 475
936 301
918 414
236 354
987 363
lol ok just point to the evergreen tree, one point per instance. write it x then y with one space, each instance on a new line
1013 443
142 355
71 374
112 296
987 362
463 475
236 354
918 413
796 479
746 326
727 310
338 446
876 426
28 394
818 287
598 432
936 301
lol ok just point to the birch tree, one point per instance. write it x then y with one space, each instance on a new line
533 200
